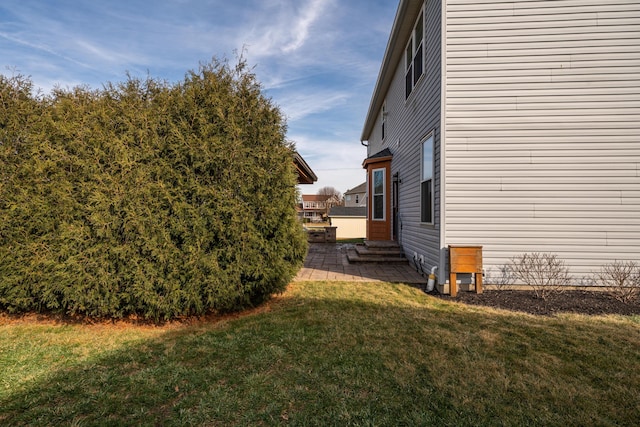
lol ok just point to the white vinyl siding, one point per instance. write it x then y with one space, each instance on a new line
542 129
407 124
420 116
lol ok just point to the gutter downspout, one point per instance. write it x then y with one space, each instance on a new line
432 279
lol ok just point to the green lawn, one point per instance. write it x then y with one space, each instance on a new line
327 354
354 240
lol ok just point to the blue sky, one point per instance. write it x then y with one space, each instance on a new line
317 59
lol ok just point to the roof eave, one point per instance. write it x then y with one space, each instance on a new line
399 33
305 174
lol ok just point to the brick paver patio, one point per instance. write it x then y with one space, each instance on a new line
328 261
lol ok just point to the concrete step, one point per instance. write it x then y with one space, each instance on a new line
377 252
355 258
382 245
364 251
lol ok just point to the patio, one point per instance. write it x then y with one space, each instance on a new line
328 261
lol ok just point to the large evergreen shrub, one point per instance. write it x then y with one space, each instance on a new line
145 198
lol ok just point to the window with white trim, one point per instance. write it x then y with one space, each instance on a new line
426 181
414 56
384 119
379 191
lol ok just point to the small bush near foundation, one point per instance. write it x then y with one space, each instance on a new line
621 279
544 272
146 198
500 278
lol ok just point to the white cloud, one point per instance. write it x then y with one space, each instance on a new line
337 163
301 28
301 105
283 28
40 47
102 53
317 59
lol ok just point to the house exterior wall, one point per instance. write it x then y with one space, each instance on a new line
356 197
350 227
314 207
355 200
407 122
312 216
541 122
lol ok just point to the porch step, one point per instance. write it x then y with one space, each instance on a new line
376 252
391 252
381 245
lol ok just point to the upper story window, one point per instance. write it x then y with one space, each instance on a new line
357 199
315 205
414 56
384 119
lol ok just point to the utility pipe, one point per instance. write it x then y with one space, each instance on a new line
432 279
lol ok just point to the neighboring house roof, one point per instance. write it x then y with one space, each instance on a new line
305 174
315 197
400 32
347 211
362 188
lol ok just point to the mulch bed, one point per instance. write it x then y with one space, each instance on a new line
575 301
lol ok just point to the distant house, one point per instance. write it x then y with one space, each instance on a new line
356 197
511 125
350 222
314 207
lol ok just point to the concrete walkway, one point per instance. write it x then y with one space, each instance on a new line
328 261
